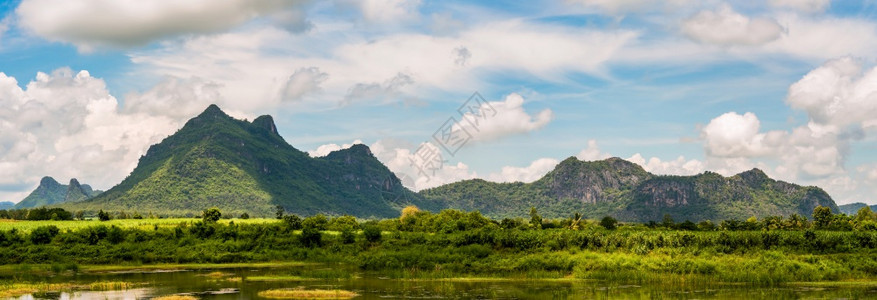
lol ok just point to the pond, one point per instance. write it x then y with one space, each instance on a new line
247 283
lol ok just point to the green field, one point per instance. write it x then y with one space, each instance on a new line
143 224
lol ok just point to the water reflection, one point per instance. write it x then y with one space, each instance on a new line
234 284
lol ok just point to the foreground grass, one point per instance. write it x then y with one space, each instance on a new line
307 294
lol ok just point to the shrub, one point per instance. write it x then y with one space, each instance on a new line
43 234
608 222
211 215
372 233
103 216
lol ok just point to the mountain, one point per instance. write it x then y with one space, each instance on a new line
625 190
853 208
51 192
6 205
240 166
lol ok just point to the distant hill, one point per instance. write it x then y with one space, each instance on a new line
853 208
240 166
6 205
625 190
51 192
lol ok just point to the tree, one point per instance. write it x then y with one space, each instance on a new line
706 225
293 221
211 215
245 216
408 211
80 215
310 234
796 222
43 234
372 233
772 223
608 222
668 221
688 225
103 216
864 214
535 218
822 217
278 211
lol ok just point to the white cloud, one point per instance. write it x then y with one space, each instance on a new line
413 63
810 6
592 152
837 94
390 89
96 23
386 11
728 28
825 38
497 119
735 135
304 81
416 173
533 172
680 166
179 99
324 150
67 125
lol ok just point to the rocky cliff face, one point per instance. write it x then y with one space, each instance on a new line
590 182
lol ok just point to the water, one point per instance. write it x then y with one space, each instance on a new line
207 284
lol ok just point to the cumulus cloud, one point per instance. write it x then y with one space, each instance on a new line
419 167
533 172
324 150
124 23
66 124
726 27
837 94
412 63
304 81
497 119
679 166
735 135
810 6
177 98
390 89
386 11
839 100
592 152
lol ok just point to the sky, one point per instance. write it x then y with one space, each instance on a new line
443 91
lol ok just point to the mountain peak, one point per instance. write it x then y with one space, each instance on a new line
48 181
212 111
754 177
266 122
74 182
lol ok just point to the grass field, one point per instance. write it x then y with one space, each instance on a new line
27 226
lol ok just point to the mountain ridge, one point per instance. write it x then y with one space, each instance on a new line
240 166
50 192
623 189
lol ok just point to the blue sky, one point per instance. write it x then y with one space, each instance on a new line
680 87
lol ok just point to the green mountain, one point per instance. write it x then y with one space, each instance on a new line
6 205
853 208
51 192
626 191
240 166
